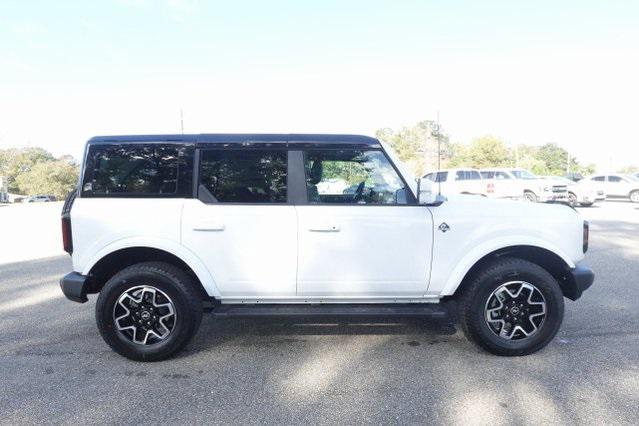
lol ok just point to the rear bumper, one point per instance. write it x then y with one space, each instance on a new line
74 286
580 279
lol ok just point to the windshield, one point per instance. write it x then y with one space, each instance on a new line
523 174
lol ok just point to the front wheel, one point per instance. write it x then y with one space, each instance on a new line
530 196
634 196
511 307
572 199
148 311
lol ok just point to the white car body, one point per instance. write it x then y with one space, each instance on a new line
584 192
304 225
376 254
617 186
458 181
534 189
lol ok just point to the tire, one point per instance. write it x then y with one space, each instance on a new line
586 204
530 196
572 199
474 304
634 196
154 289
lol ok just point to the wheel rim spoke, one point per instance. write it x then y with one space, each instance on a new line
144 315
515 310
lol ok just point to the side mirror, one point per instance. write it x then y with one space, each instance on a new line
427 193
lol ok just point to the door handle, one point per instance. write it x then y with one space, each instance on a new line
209 226
324 228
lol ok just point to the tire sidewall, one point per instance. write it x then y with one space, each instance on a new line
554 311
125 281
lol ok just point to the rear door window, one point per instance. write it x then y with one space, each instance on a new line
244 175
162 170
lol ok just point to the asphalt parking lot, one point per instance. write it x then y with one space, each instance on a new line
54 367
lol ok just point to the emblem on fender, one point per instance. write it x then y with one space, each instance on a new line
444 227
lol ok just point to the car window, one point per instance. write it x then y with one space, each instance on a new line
473 175
429 176
487 175
441 177
614 179
460 175
523 174
599 178
245 176
138 170
502 175
352 177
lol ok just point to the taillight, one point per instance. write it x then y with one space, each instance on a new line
586 235
67 240
490 188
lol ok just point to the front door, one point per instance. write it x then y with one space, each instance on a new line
241 226
361 233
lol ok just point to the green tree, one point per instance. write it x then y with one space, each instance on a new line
485 151
16 162
50 177
417 145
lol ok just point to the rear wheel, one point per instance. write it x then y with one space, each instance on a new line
589 204
148 311
634 196
512 307
530 196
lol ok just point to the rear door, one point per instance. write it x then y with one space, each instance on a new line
242 225
367 240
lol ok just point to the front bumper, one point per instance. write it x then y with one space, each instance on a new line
579 279
74 286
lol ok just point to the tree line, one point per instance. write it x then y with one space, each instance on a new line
34 171
417 146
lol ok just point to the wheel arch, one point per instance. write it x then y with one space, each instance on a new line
557 265
111 260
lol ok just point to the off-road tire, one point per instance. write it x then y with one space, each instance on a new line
474 296
172 281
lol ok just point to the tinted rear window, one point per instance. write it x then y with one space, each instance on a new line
245 176
163 170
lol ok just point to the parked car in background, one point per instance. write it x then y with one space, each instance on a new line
534 189
618 186
583 193
501 184
458 181
39 199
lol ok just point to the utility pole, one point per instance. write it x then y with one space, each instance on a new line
182 120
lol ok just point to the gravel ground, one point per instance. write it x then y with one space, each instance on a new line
54 367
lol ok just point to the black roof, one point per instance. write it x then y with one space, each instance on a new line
243 138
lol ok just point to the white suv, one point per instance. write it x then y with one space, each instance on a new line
166 227
458 181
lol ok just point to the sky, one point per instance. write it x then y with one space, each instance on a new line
528 72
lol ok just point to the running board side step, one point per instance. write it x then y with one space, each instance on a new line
437 310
